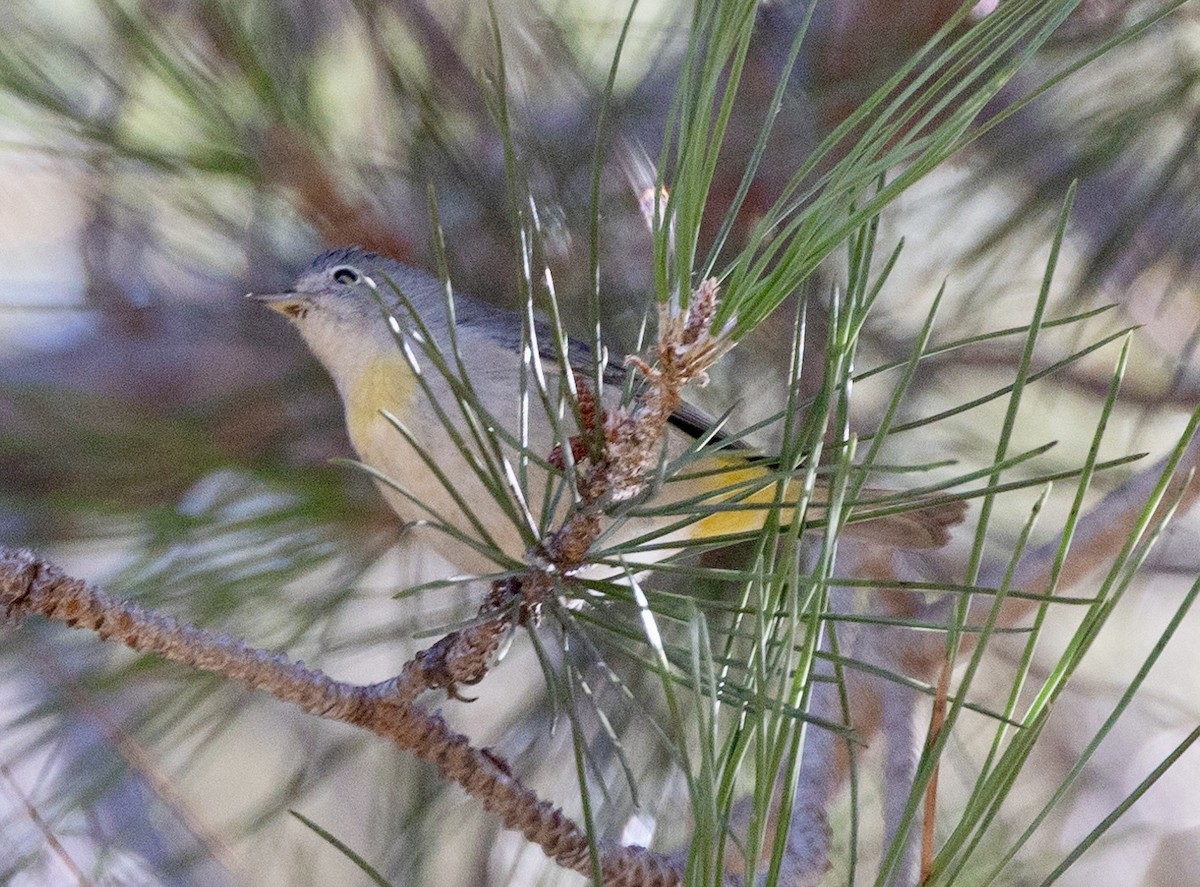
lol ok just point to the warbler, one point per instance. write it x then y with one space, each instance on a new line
382 348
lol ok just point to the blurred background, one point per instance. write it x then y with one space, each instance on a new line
163 437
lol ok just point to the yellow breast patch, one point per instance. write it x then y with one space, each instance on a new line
386 383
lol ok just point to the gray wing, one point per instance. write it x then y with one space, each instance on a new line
505 327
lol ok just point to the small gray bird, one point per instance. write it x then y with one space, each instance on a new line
336 305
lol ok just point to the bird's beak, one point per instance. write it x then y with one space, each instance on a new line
291 305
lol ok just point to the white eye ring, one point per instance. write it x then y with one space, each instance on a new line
346 274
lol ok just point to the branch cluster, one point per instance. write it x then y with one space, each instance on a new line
633 436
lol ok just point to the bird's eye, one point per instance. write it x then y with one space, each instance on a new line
346 275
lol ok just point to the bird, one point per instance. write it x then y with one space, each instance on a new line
399 347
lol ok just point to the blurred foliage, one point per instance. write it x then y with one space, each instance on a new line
182 437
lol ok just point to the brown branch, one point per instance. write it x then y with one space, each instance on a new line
30 586
633 434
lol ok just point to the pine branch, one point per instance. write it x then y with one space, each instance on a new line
32 586
632 445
